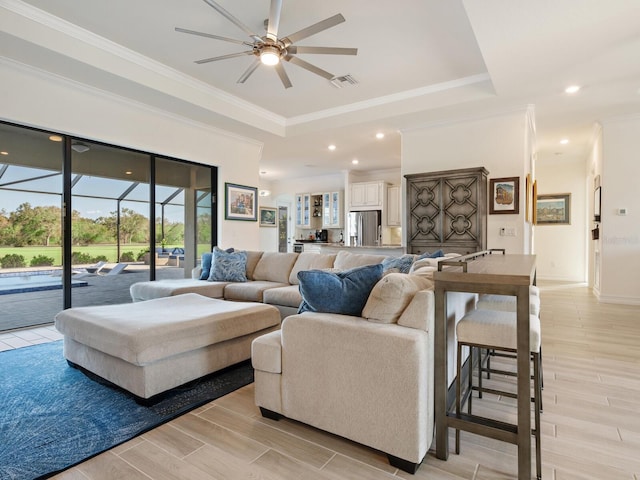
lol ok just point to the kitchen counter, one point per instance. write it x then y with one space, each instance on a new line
391 250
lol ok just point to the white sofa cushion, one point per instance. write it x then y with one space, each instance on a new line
391 295
266 352
253 258
275 267
249 291
163 327
311 261
288 296
141 291
347 260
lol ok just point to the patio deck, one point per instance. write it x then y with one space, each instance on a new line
20 310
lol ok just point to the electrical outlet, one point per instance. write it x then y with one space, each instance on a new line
510 231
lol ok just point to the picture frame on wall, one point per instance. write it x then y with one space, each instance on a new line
597 203
504 195
553 209
240 202
268 217
528 199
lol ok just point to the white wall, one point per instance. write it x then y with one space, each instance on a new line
562 249
620 244
33 98
501 143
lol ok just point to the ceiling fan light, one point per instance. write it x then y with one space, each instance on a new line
270 55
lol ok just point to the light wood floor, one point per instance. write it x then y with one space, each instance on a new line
591 420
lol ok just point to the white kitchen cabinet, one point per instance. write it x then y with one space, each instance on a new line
303 210
367 194
394 210
332 215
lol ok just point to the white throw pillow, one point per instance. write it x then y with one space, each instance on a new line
391 295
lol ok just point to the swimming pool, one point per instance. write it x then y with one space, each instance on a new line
33 282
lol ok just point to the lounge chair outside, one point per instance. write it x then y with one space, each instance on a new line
118 268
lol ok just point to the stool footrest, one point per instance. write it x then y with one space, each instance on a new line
487 427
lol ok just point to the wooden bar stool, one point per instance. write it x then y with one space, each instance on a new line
496 330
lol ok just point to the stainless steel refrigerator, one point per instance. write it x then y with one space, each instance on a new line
365 228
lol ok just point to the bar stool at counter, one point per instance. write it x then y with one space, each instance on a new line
490 329
506 303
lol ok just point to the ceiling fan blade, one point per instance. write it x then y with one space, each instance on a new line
312 29
247 73
232 19
307 66
274 19
284 78
323 50
224 57
216 37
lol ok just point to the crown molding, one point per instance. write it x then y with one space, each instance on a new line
524 109
85 36
388 99
112 97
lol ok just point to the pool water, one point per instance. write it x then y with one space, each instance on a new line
33 283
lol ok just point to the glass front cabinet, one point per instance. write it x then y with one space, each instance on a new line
332 210
303 210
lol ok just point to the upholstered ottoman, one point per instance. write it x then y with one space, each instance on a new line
153 346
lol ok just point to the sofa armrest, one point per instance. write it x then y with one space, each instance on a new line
369 382
196 272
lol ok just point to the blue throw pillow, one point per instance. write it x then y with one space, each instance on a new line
344 292
400 264
207 258
228 266
436 254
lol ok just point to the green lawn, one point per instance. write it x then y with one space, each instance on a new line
109 251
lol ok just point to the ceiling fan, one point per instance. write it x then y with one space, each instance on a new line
271 49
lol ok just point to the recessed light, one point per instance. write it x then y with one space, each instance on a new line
4 153
355 161
379 135
572 89
128 172
564 141
55 138
332 147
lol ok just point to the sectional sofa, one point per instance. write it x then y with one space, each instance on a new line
366 375
272 278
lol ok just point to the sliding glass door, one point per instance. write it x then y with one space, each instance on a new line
110 221
30 227
81 221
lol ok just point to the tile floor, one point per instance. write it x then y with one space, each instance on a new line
28 336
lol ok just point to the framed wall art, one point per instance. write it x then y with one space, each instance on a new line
528 199
597 204
240 202
267 217
553 209
504 195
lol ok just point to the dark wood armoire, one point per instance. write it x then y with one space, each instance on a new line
447 210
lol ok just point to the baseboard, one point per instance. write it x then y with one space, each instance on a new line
618 300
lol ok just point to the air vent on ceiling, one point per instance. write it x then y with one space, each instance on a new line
343 81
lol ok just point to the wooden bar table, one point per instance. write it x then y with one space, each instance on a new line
486 272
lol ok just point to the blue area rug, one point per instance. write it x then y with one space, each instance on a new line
53 416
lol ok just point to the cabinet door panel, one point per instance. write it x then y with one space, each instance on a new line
447 210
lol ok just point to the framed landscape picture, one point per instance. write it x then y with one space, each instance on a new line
505 194
267 217
240 202
553 209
